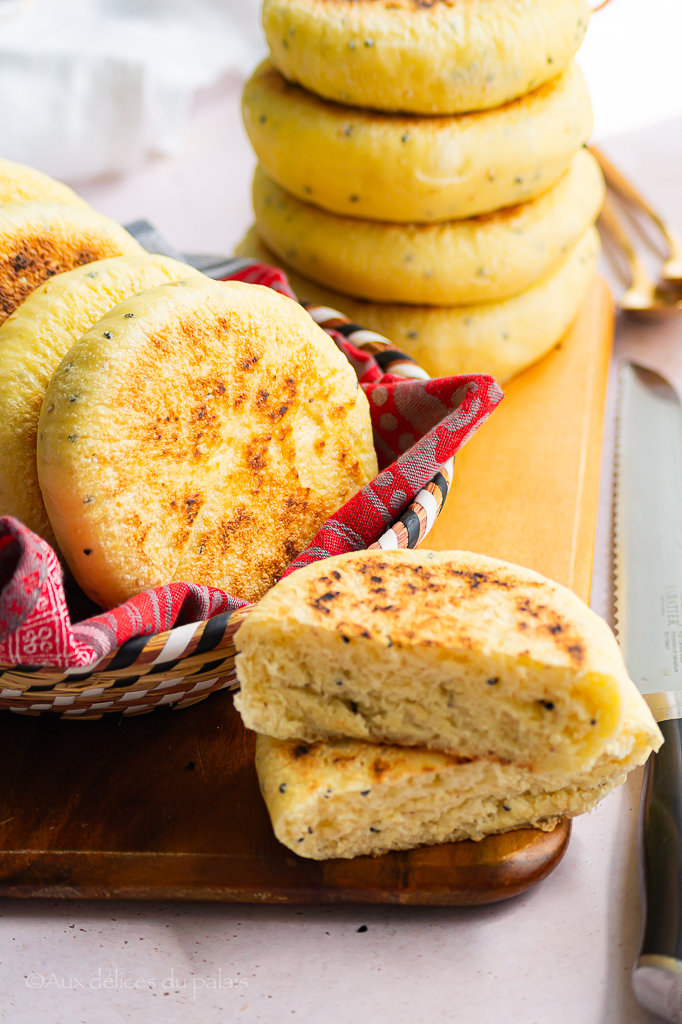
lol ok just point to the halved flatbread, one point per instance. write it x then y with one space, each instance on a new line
347 798
443 649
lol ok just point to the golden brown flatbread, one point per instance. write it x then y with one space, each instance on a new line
34 339
455 263
500 338
18 182
423 56
363 163
41 239
201 431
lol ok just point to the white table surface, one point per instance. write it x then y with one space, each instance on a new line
559 955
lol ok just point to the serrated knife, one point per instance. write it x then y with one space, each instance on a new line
648 549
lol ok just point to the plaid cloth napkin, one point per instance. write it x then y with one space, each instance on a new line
418 426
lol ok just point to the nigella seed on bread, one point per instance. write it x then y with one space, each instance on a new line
202 431
346 798
402 647
423 56
478 260
414 169
34 339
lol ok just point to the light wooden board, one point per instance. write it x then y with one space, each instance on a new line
526 487
166 805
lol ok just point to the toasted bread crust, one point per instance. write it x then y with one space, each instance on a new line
449 650
201 431
41 239
443 600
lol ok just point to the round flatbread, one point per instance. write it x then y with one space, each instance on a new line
500 338
201 431
18 182
34 339
41 239
423 56
459 262
361 163
519 681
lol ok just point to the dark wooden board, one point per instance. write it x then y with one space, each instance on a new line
167 806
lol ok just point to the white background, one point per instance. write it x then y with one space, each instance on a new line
559 955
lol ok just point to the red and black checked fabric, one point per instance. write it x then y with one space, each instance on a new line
418 425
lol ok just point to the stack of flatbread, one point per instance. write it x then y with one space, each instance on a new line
422 171
411 697
157 425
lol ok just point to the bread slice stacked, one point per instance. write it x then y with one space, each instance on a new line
421 170
411 697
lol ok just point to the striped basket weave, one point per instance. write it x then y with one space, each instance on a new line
184 665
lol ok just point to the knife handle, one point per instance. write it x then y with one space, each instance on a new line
657 974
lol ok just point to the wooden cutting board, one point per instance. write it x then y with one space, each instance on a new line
166 805
526 486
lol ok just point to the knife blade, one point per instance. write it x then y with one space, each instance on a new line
648 577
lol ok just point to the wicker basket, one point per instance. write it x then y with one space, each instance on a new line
184 665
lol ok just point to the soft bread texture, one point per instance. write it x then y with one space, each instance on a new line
18 182
201 431
461 262
423 56
41 239
347 798
500 338
361 163
448 650
33 341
